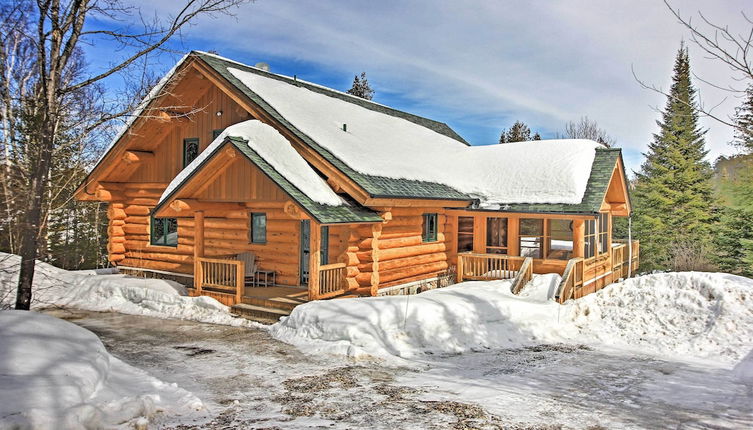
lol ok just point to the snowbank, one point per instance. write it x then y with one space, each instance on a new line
277 151
375 143
56 375
112 293
688 315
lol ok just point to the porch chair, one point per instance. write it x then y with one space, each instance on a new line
249 260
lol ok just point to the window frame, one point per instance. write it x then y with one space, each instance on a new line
502 248
470 234
163 220
603 233
542 238
568 253
186 142
324 246
251 237
428 234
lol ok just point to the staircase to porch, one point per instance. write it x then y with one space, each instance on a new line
268 304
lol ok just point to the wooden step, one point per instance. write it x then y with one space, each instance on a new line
261 314
283 303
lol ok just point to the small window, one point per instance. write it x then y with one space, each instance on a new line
560 239
430 228
216 133
603 232
531 237
496 235
589 239
465 234
324 251
190 150
258 233
164 231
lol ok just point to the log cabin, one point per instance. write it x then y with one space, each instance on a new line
266 191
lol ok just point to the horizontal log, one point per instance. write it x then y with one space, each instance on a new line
400 274
365 279
408 251
114 258
160 256
404 262
392 243
158 265
143 193
116 248
136 210
134 219
135 229
141 201
115 230
395 232
116 213
117 222
118 239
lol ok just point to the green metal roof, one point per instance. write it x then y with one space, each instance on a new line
598 182
375 186
351 212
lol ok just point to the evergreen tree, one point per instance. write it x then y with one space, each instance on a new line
361 87
519 132
674 203
733 241
743 121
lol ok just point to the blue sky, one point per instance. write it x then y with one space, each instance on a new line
479 65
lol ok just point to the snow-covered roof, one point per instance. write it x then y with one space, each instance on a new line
275 150
378 144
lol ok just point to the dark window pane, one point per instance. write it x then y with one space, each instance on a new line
465 242
164 231
530 247
465 224
430 228
258 228
560 239
532 227
324 251
190 150
496 232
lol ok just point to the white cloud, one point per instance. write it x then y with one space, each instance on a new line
491 63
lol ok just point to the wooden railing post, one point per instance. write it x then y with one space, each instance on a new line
198 249
459 274
240 280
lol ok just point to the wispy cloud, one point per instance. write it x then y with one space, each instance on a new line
481 65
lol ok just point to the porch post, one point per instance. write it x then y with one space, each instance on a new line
579 235
198 248
314 258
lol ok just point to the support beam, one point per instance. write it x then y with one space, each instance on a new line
134 157
579 235
198 248
315 237
186 205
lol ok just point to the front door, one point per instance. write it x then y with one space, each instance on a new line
305 251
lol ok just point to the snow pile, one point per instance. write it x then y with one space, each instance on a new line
459 318
702 315
273 148
375 143
56 375
691 315
116 293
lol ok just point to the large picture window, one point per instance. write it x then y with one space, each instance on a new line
430 228
531 238
164 231
258 230
190 150
465 234
560 239
496 235
589 241
597 235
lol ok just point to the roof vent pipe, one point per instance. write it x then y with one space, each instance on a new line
345 127
262 66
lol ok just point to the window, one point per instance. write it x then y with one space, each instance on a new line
465 234
496 235
560 239
190 150
597 235
164 231
590 238
429 228
324 251
603 232
531 237
258 230
216 133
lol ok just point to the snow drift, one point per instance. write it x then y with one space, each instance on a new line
56 375
112 293
688 315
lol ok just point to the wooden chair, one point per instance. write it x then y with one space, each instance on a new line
249 260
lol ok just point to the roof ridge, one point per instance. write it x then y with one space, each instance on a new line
368 104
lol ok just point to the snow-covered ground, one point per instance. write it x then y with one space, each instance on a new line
54 287
54 374
705 316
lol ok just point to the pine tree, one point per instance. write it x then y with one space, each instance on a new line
361 87
743 121
519 132
733 241
673 197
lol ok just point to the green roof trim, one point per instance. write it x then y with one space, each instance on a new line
601 172
375 186
348 213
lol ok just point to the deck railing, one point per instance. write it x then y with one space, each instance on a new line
220 276
331 280
572 280
622 256
525 274
487 267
